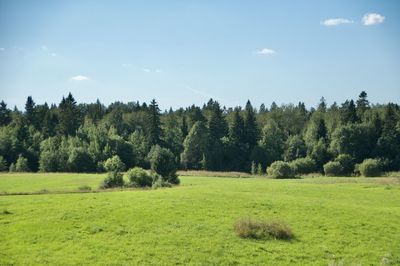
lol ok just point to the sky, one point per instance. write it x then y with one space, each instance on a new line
186 52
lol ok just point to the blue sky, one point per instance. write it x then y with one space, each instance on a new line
184 52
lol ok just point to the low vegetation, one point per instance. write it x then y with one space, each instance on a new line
261 229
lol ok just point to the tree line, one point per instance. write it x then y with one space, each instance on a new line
71 137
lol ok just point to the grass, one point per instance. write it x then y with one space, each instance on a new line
334 220
262 229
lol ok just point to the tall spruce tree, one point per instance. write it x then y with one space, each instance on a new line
251 131
68 116
154 130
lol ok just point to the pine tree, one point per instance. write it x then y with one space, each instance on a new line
184 127
30 111
154 124
362 104
68 116
251 130
236 130
5 114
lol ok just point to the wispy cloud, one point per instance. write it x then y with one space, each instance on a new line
372 19
80 78
147 70
335 21
266 51
44 48
53 54
201 93
2 49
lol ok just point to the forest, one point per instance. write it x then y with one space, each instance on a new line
71 137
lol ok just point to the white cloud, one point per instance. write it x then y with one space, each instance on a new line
372 19
158 70
336 21
80 78
146 70
266 51
53 54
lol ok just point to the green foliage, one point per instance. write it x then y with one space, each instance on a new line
272 141
163 162
303 165
12 168
295 148
320 154
260 169
347 163
352 139
195 146
280 169
22 164
370 168
138 177
79 160
333 169
113 179
3 164
114 164
253 169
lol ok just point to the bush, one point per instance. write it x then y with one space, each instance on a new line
163 162
114 164
159 182
258 229
280 169
303 166
347 163
138 177
333 169
113 179
22 164
370 167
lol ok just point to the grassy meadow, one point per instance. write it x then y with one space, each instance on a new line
335 221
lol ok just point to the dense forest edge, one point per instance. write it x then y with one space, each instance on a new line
350 139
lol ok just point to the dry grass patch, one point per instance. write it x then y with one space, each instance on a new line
261 229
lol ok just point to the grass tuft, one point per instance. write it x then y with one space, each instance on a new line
6 212
85 188
262 229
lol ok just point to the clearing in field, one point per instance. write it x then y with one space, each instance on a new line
333 220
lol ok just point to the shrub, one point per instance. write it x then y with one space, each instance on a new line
303 166
163 162
113 179
258 229
370 167
22 164
138 177
114 164
280 169
333 169
347 163
159 182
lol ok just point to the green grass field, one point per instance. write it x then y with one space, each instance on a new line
336 221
